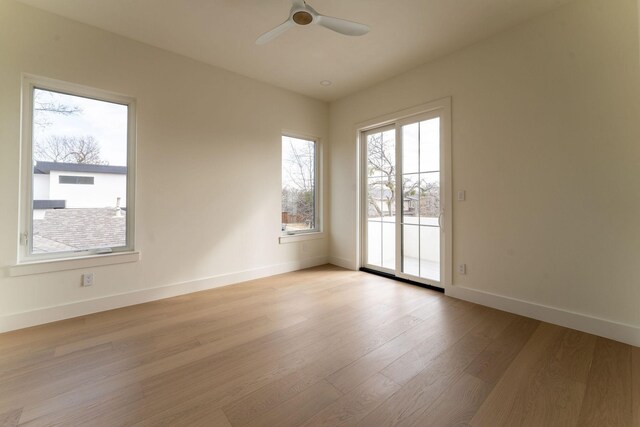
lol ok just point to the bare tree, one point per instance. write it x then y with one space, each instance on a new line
382 181
45 105
298 193
68 149
429 198
382 173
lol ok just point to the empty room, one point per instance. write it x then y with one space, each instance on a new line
331 212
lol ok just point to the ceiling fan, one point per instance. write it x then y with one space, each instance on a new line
303 14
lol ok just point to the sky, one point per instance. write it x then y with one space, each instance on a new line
105 121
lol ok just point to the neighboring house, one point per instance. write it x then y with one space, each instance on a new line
77 206
78 185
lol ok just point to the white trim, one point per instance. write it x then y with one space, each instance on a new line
439 108
48 266
391 118
625 333
299 237
80 308
343 262
318 179
29 83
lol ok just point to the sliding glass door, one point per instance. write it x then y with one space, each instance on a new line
420 216
381 199
403 231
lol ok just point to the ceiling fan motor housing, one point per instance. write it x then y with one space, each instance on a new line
302 17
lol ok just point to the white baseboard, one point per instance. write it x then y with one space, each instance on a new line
605 328
80 308
343 262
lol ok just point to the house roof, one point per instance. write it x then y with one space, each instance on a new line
79 229
47 167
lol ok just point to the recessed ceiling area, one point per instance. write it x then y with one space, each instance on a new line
404 34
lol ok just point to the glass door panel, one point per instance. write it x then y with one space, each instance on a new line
430 145
389 245
411 249
421 199
380 198
374 243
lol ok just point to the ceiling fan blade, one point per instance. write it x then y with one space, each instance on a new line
270 35
342 26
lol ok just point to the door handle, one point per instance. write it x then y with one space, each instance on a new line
440 219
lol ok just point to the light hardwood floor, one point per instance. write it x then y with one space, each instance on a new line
323 346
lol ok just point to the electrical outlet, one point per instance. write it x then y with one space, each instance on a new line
87 279
462 195
462 268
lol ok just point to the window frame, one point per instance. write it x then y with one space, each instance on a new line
25 241
317 231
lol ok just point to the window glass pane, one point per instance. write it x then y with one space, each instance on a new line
430 145
429 198
430 253
374 243
381 154
298 185
374 155
389 245
411 249
389 200
410 148
375 193
410 199
79 181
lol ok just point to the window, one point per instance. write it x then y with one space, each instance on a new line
299 185
77 182
66 179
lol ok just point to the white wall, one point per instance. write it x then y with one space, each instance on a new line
104 192
208 164
546 143
41 186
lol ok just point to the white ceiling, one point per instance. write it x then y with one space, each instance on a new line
404 34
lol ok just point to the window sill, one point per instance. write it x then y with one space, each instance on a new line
301 237
48 266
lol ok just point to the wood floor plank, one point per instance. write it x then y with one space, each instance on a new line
185 323
348 347
142 314
218 385
490 365
499 403
355 405
607 401
200 415
10 418
318 346
365 367
100 411
457 405
403 369
406 405
177 367
545 385
300 408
